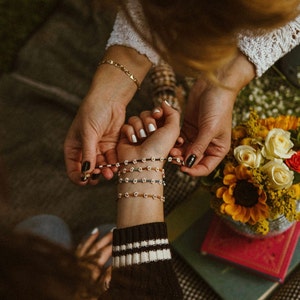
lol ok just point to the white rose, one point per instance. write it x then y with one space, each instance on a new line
278 144
279 174
247 156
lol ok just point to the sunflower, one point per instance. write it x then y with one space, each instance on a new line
283 122
242 199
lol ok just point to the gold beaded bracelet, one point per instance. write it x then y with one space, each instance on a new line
141 169
141 180
122 68
143 160
141 195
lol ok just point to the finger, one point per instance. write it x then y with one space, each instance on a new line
138 126
196 149
209 155
130 134
110 157
101 243
105 254
204 167
157 113
148 121
89 154
83 248
175 152
172 118
72 156
105 279
168 130
179 142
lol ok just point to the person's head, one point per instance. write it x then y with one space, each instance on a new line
201 35
33 268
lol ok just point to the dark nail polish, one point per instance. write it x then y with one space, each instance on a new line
83 178
95 176
191 160
85 166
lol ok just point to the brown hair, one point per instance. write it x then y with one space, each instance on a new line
33 268
200 35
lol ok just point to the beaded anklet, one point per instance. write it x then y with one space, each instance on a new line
143 195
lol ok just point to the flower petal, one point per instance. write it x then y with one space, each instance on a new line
220 191
232 210
228 198
229 179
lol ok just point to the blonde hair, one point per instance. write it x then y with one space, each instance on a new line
200 35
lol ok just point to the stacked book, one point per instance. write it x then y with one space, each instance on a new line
236 267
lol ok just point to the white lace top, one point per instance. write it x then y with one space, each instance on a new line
263 50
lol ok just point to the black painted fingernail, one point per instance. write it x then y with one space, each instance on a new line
85 166
95 176
191 160
84 178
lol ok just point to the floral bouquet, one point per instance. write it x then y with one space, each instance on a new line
258 181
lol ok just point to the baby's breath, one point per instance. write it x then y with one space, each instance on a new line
270 95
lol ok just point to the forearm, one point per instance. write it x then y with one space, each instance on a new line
237 74
139 210
111 83
142 266
231 79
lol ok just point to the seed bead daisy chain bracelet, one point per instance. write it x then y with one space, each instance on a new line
141 195
143 160
142 180
141 169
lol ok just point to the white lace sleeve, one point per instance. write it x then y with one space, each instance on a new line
264 50
124 34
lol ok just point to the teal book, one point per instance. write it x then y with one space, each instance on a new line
188 225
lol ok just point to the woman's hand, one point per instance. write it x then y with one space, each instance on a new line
95 253
152 134
94 133
208 118
92 138
206 128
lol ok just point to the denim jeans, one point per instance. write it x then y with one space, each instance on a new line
49 227
56 230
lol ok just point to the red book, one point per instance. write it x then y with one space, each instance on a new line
269 257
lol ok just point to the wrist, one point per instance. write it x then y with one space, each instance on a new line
110 83
140 191
237 74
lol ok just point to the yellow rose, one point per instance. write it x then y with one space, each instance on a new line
279 174
278 144
248 156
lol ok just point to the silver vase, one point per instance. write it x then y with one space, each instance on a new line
276 226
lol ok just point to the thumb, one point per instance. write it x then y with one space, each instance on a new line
171 114
205 153
88 162
195 151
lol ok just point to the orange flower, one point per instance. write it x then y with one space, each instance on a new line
283 122
242 200
239 132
